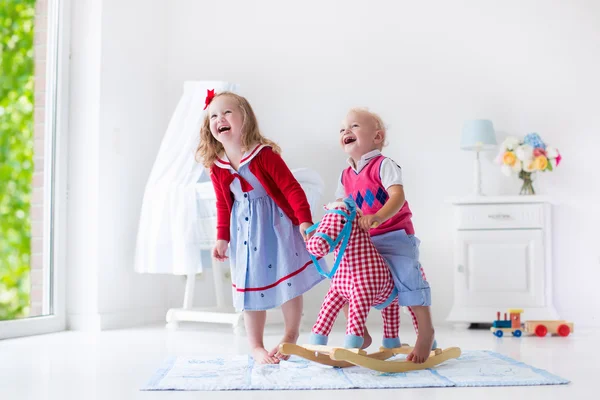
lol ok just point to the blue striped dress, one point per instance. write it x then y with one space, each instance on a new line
269 261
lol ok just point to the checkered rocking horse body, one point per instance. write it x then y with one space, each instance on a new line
361 278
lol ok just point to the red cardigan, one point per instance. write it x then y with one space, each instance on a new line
278 181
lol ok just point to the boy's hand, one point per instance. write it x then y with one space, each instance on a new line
303 227
220 250
366 222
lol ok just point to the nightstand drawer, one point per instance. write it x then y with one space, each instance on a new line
500 216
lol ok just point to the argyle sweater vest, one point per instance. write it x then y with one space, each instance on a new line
370 196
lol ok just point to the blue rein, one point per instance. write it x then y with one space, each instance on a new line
344 237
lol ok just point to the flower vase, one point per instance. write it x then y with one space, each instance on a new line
527 187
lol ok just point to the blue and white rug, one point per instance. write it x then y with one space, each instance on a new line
473 368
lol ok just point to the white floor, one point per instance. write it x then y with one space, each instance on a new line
115 364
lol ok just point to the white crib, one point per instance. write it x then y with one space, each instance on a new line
220 313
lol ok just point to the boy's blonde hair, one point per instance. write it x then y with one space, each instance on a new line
210 148
379 124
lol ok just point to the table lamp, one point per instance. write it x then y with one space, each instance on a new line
478 135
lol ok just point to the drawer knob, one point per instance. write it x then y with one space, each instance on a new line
499 216
461 268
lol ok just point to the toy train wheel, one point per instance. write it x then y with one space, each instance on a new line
564 330
541 330
517 333
499 333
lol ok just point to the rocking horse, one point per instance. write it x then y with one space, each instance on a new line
360 277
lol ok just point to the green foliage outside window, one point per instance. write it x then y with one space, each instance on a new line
16 153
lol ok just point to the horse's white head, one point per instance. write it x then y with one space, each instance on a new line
327 236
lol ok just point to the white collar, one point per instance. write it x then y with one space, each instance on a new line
223 161
364 160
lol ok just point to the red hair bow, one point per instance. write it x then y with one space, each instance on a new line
210 94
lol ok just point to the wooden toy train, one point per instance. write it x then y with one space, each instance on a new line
540 328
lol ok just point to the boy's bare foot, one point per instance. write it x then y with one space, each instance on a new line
262 357
367 340
287 338
422 347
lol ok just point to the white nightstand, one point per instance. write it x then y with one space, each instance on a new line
503 258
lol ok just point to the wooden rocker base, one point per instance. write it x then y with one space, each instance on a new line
438 356
322 354
343 358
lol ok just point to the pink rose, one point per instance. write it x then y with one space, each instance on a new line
539 152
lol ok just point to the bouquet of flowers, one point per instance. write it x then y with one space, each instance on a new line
525 157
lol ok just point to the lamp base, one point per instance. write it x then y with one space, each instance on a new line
477 192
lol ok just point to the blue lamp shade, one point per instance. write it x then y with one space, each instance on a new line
478 134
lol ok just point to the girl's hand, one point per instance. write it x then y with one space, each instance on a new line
303 227
220 250
366 222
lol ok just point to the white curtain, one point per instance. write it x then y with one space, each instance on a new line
178 204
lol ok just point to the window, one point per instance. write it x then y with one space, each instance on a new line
32 166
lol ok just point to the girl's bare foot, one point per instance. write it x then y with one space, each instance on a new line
261 356
422 347
287 338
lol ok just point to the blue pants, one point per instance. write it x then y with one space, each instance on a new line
401 251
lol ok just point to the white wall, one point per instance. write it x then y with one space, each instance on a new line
82 258
134 117
426 67
118 116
